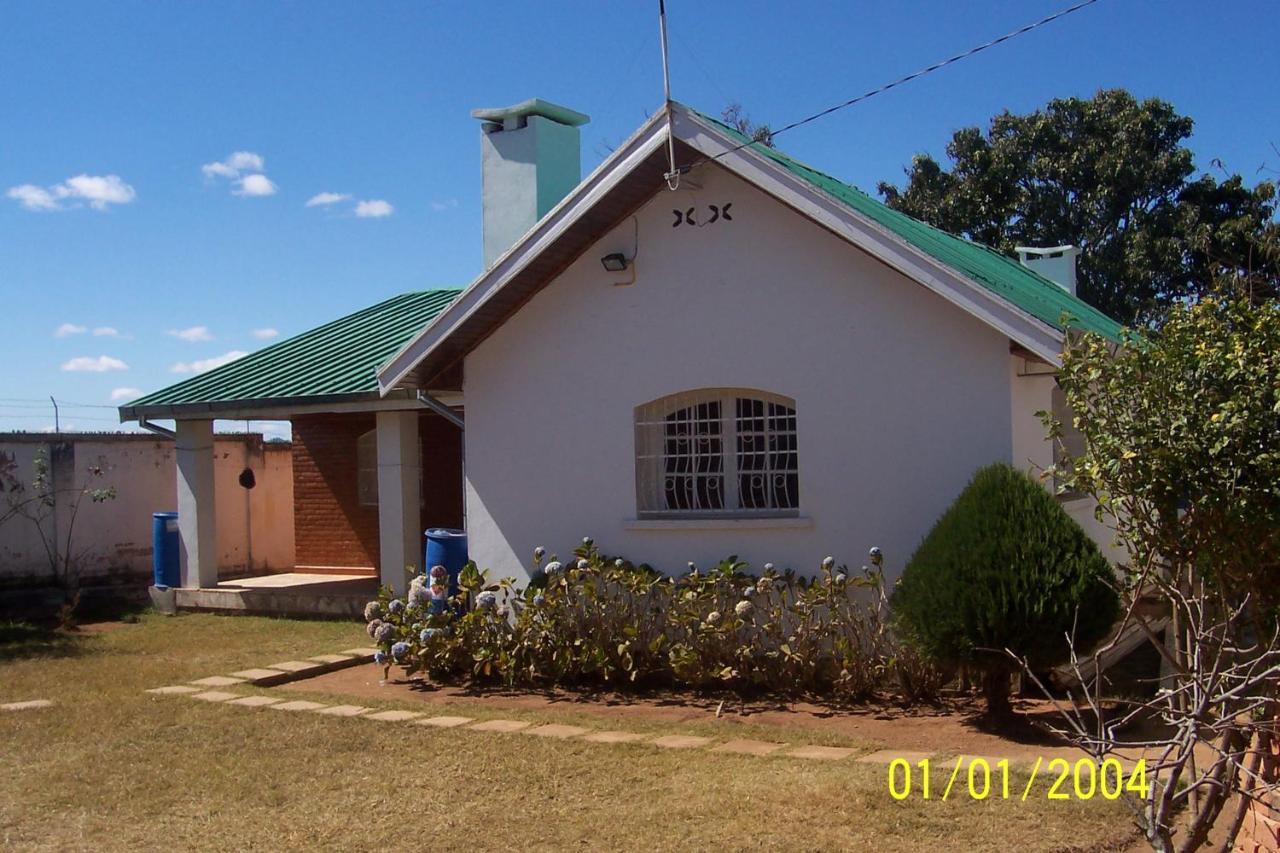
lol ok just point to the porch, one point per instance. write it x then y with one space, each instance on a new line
370 472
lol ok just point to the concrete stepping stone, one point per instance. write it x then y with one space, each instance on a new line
393 716
821 753
175 689
343 710
298 705
445 722
500 726
300 668
615 737
214 696
332 659
888 756
219 681
681 742
255 701
363 654
556 731
749 747
260 676
28 705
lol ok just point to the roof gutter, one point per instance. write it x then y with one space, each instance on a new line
157 429
441 409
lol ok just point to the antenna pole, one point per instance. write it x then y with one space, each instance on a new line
57 423
673 175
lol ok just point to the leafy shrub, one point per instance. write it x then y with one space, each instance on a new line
597 620
1004 568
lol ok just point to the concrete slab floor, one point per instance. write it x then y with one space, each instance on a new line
214 696
298 705
500 726
749 747
821 753
681 742
255 701
219 681
615 737
344 710
393 716
554 730
445 722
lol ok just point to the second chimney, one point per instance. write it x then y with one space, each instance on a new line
530 159
1058 264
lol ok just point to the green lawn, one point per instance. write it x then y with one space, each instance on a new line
110 767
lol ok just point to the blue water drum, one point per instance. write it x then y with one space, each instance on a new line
447 547
164 549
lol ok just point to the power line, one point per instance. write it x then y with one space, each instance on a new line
907 79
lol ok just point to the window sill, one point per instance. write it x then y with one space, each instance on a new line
782 522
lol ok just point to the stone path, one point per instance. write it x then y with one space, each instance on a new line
278 673
28 705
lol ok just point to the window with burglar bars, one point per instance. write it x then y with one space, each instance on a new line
717 452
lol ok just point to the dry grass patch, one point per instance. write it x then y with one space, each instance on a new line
110 767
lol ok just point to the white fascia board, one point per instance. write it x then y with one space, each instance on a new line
868 235
651 136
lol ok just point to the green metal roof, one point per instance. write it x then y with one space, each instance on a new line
339 358
1004 276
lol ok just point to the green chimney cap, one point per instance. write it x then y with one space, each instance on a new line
532 107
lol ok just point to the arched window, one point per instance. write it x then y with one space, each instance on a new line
717 451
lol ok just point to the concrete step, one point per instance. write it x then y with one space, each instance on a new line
294 594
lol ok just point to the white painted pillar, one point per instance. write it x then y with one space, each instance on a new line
399 505
197 531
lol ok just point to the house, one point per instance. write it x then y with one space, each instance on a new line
740 355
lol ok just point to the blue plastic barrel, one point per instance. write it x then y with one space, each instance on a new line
164 549
448 548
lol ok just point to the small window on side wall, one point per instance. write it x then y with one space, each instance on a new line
367 468
717 452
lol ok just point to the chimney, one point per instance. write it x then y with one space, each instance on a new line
530 158
1057 264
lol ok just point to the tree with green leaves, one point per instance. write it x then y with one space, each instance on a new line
1111 175
1005 569
1182 456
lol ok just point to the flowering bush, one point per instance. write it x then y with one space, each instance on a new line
596 619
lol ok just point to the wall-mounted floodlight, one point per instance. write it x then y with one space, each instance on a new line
615 262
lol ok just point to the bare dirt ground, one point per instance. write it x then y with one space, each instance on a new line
951 729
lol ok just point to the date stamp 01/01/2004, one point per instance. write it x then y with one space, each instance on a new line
980 779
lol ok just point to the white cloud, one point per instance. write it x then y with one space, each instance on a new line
33 197
374 208
322 199
66 330
201 365
446 204
266 334
88 364
118 394
106 332
255 185
234 164
98 190
193 335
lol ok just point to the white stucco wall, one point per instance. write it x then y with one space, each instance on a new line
900 396
255 527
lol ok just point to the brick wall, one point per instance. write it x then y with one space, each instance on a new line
331 527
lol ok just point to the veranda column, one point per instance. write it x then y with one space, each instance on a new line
399 505
197 533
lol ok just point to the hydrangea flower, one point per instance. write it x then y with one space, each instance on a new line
418 596
379 657
619 563
840 577
587 540
504 611
552 568
539 600
539 553
749 592
373 626
583 564
372 610
875 553
828 562
713 617
399 650
768 567
743 608
396 606
428 634
762 585
385 632
486 600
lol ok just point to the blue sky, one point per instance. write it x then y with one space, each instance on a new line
371 101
